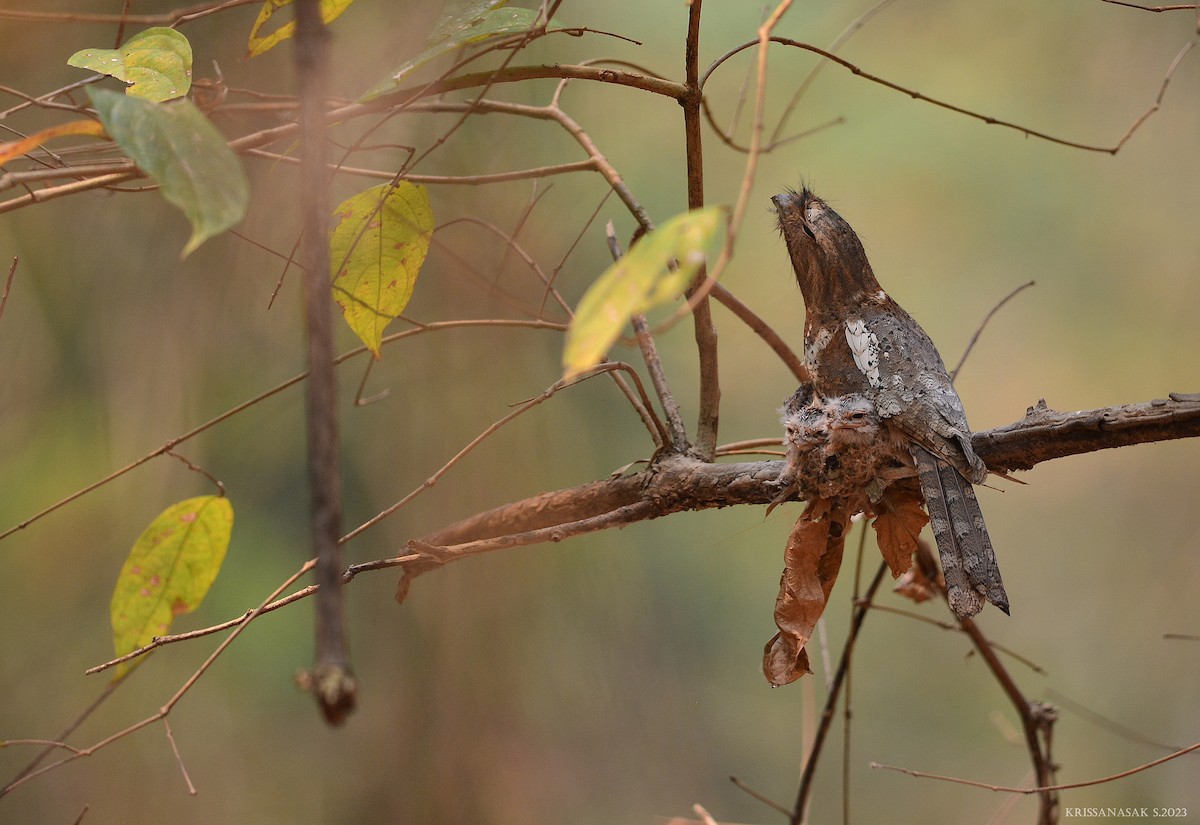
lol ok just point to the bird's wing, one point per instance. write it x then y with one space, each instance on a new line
913 389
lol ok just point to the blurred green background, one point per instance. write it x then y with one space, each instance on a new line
615 678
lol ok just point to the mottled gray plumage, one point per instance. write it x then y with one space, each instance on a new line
859 341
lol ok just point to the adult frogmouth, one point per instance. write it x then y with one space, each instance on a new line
858 341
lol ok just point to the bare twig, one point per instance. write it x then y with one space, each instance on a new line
169 705
239 408
172 19
197 469
705 332
1053 788
12 272
1184 7
178 759
763 330
770 803
979 330
433 180
856 621
954 628
806 83
675 435
1037 720
988 119
429 483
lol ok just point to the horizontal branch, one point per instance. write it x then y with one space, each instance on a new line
1045 434
678 483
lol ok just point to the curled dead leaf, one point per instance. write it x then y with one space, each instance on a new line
812 558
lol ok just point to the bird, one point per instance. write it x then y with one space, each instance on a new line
805 436
836 448
859 342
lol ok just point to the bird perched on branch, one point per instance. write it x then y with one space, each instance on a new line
858 341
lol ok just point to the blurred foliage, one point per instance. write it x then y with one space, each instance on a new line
613 677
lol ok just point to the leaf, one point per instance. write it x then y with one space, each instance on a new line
16 148
635 283
471 28
920 583
457 15
180 148
898 525
330 10
169 571
376 247
157 63
812 559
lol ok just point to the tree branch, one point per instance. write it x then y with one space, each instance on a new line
676 483
330 680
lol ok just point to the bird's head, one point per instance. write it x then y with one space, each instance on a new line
830 263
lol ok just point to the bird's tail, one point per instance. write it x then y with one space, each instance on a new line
968 561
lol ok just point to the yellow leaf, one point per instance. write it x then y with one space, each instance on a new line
157 63
169 571
330 10
376 248
16 148
640 280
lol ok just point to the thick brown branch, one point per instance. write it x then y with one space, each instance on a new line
1045 434
678 483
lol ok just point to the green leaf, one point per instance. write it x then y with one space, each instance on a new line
180 148
157 62
330 10
376 247
637 282
458 14
169 571
470 29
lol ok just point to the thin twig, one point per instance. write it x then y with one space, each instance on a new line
987 119
856 621
8 281
979 330
178 758
1052 788
1102 721
172 19
766 800
1036 722
839 41
197 469
524 407
954 628
676 434
163 711
1184 7
296 379
764 331
434 180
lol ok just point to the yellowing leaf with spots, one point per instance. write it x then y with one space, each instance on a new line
640 280
157 63
378 242
169 571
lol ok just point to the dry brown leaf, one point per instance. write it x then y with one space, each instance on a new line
898 523
922 582
812 559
